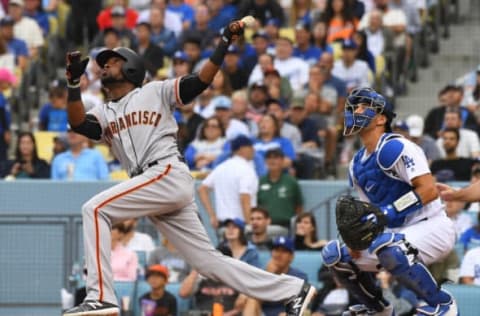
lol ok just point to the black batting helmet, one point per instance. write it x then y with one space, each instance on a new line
133 68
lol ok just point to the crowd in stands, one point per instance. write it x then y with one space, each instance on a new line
272 116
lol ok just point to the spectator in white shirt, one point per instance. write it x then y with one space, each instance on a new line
469 144
351 70
379 38
235 185
26 28
233 127
173 20
293 68
470 268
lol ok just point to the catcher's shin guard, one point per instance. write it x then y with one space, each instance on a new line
360 284
399 258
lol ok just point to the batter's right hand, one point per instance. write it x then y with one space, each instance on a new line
75 68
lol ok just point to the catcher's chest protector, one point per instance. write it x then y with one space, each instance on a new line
380 188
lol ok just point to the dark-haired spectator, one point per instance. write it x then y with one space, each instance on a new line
188 122
108 38
193 48
300 12
159 302
306 233
124 261
258 236
272 29
151 54
199 28
201 153
319 36
449 96
278 87
26 164
161 35
349 68
104 18
6 80
279 193
33 9
53 115
172 19
469 144
363 53
235 184
283 252
180 64
470 268
304 48
232 67
25 28
15 45
287 130
290 67
340 20
262 10
452 167
234 239
415 133
257 96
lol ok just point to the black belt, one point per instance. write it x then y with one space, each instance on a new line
151 164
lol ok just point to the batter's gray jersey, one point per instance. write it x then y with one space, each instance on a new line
132 125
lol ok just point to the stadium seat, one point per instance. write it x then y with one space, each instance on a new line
124 289
44 142
142 258
467 298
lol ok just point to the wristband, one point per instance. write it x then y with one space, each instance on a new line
74 94
219 54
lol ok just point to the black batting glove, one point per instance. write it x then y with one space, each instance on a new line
232 31
75 68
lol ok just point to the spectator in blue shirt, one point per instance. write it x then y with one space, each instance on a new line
161 35
220 14
282 256
53 115
236 241
15 45
33 9
5 121
79 162
471 236
304 48
184 10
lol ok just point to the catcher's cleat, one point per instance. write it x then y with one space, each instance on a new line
93 308
449 309
362 310
297 305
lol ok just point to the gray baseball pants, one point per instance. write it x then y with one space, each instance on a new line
165 193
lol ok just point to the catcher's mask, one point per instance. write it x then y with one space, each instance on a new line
374 104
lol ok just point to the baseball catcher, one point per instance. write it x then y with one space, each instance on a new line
397 224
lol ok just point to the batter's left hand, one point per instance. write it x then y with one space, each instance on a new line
233 31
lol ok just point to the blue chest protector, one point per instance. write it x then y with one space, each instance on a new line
380 187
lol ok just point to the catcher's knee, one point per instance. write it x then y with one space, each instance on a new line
333 253
392 252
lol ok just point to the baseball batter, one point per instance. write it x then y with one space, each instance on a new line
391 173
139 125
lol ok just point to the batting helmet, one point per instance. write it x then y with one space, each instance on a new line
133 68
374 103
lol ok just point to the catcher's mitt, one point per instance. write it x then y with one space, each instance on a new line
358 222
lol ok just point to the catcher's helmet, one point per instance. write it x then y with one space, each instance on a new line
375 104
133 68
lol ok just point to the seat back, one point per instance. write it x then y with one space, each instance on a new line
467 298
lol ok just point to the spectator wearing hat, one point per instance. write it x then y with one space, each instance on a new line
350 69
25 28
260 44
304 48
234 238
234 183
15 45
283 252
161 35
469 144
257 97
272 30
278 87
151 54
279 192
232 126
180 64
415 134
202 152
452 167
105 17
199 28
290 67
79 163
262 11
184 10
232 67
159 301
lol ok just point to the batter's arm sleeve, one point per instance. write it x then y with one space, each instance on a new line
90 127
190 87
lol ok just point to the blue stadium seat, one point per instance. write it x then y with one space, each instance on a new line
467 298
124 289
142 258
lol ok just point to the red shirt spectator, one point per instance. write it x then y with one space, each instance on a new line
104 18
